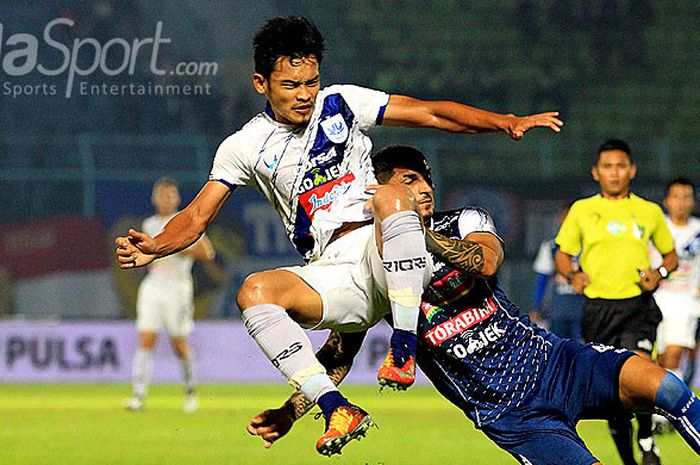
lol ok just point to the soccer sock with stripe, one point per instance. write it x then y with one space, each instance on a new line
188 372
142 369
404 260
287 346
682 408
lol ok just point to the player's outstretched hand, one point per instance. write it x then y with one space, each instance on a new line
521 124
136 249
271 425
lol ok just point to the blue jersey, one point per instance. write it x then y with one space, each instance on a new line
475 347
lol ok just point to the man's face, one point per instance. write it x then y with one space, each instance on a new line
291 89
166 199
679 201
614 171
421 189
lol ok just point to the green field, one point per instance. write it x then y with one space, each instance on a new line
85 424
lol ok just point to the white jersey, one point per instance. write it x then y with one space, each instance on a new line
173 272
313 175
686 278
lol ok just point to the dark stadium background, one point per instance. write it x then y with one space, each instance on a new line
75 172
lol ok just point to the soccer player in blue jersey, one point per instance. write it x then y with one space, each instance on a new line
524 387
308 153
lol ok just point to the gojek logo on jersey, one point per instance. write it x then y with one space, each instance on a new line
323 196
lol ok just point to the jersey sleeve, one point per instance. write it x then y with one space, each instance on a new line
367 105
231 166
569 236
544 262
662 238
476 220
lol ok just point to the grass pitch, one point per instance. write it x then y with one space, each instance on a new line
85 424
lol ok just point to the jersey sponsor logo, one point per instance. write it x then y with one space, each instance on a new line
477 341
286 353
615 228
460 323
323 196
335 128
448 289
325 158
319 176
272 164
598 347
430 311
407 264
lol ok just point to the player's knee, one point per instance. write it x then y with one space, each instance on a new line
147 340
256 289
180 347
391 199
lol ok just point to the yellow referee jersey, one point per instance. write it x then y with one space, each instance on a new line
613 237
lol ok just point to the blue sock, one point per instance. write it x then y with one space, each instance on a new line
682 407
331 401
403 345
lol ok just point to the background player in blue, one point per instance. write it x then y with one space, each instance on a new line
309 155
523 387
564 309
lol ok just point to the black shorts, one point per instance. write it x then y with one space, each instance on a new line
627 323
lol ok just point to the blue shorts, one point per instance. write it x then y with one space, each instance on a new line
580 381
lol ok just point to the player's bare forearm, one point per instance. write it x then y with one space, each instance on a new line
563 262
459 118
189 224
670 261
336 355
479 258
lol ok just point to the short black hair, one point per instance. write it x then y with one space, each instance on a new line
387 159
286 36
614 144
680 180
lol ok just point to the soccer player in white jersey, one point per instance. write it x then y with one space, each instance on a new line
309 155
165 300
677 295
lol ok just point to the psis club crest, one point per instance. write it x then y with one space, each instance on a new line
335 128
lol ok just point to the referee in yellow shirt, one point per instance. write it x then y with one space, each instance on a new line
611 231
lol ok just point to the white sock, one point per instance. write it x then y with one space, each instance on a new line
142 369
288 347
188 372
404 260
677 371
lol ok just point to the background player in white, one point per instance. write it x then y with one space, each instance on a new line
677 295
165 300
308 154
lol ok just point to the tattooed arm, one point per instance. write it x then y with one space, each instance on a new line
479 254
336 355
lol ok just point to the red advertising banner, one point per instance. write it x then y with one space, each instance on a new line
34 249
